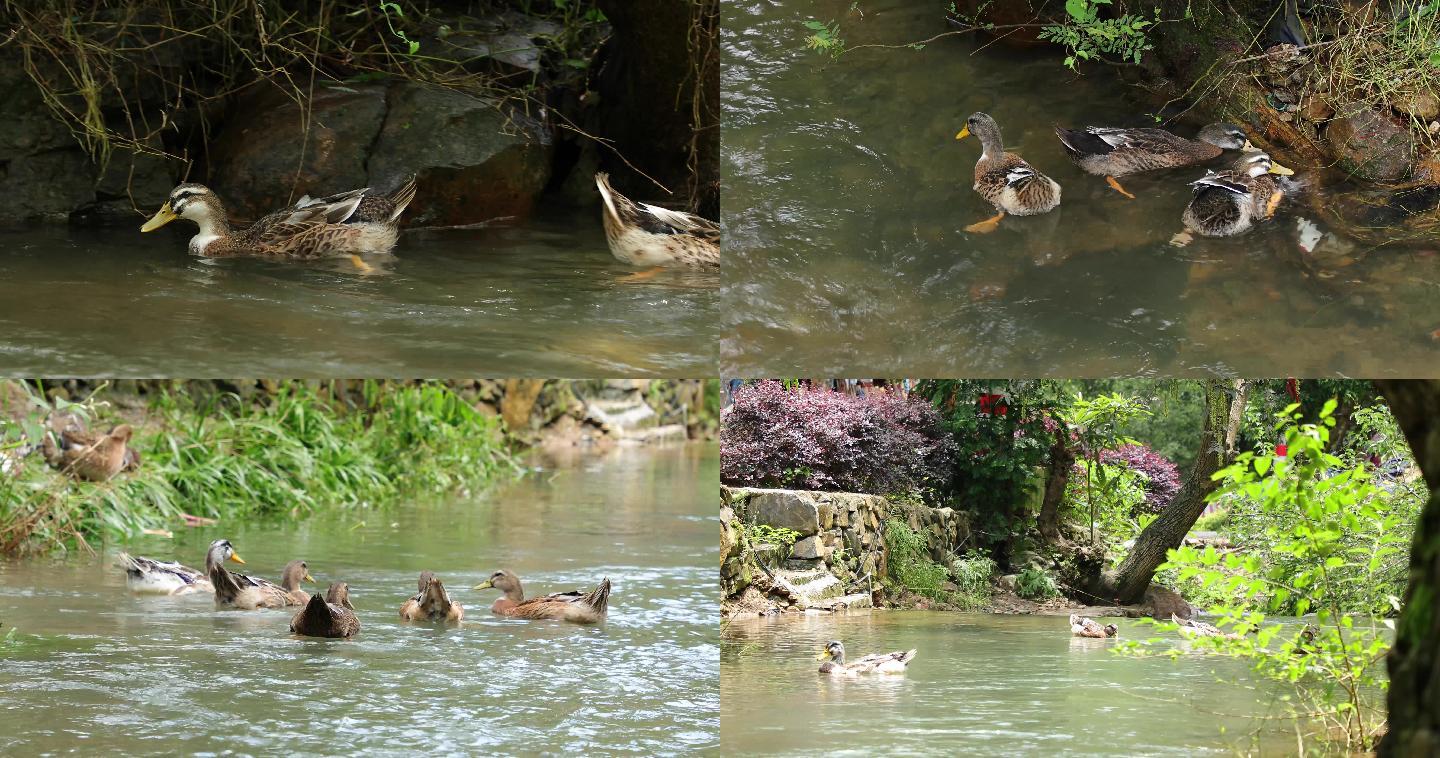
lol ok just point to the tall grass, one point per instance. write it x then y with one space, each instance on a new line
298 452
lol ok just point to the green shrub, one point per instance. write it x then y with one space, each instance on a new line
972 574
298 453
1036 584
909 561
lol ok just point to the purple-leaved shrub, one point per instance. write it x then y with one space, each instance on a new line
1164 476
822 440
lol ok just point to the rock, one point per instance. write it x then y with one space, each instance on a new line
474 161
255 158
808 548
785 509
1420 104
1008 583
1372 146
1159 602
1316 109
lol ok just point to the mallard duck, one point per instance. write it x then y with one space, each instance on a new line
329 616
248 593
311 228
1305 645
1231 201
579 607
880 663
432 603
1111 152
1192 629
149 576
89 455
1005 179
647 235
1080 626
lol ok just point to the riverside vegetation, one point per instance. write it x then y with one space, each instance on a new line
289 450
1313 500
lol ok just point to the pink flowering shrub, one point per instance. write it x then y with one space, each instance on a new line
1164 477
822 440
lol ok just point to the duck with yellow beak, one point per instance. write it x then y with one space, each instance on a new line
350 223
1005 179
1231 202
241 592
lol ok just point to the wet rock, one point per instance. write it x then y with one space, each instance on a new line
1421 104
504 44
264 150
1159 602
1372 146
474 160
43 172
1316 109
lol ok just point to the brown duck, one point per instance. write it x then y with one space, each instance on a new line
89 455
581 608
431 603
1005 179
357 221
248 593
328 616
647 235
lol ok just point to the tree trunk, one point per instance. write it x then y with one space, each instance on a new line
661 99
1062 459
1224 408
1414 661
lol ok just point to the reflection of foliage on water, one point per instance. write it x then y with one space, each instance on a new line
297 452
1322 537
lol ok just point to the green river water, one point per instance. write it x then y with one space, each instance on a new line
846 196
94 668
984 685
541 299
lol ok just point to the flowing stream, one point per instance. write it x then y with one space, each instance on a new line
846 196
542 299
984 684
92 665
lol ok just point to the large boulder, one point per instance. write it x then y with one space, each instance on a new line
265 152
475 160
1372 146
785 509
43 172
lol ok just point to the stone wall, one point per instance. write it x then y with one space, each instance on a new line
842 535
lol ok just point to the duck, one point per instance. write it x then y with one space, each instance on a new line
1192 629
328 616
431 603
1118 151
1305 645
576 606
1081 626
879 663
352 223
1005 179
91 456
155 577
646 235
1230 202
247 593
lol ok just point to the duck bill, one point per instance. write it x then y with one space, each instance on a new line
964 132
823 655
485 585
309 578
162 217
1276 168
236 557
